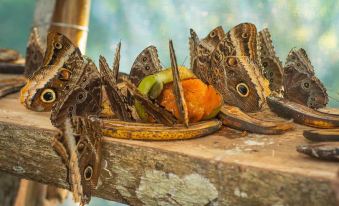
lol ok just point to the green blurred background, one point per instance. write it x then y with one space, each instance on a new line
310 24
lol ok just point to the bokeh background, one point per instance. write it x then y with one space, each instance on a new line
310 24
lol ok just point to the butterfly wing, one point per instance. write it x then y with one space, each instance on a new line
193 46
206 46
118 101
62 63
234 71
145 64
80 144
177 87
300 83
244 40
271 65
34 53
82 99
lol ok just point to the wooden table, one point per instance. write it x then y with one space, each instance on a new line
226 168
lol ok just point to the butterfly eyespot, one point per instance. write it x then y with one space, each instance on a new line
265 64
231 61
306 85
144 59
212 34
70 109
48 96
271 74
298 64
243 89
88 173
81 147
57 45
244 35
271 80
81 97
64 74
147 67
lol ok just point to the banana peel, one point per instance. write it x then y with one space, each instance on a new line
11 85
147 131
324 150
302 114
233 117
320 135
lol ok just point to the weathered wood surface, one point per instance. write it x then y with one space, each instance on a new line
227 168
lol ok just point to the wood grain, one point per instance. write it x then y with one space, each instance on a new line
227 168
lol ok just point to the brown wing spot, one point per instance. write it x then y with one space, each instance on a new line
58 45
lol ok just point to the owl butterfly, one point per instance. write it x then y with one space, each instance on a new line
118 102
34 53
62 62
229 62
83 98
300 83
79 145
271 65
145 64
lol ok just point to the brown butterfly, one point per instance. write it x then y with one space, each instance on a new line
300 83
145 64
79 145
83 98
118 101
34 53
123 103
271 65
230 64
62 62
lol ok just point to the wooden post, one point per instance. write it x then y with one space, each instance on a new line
71 19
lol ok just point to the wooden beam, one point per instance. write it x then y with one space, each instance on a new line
226 168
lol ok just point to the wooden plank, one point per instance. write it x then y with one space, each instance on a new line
226 168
